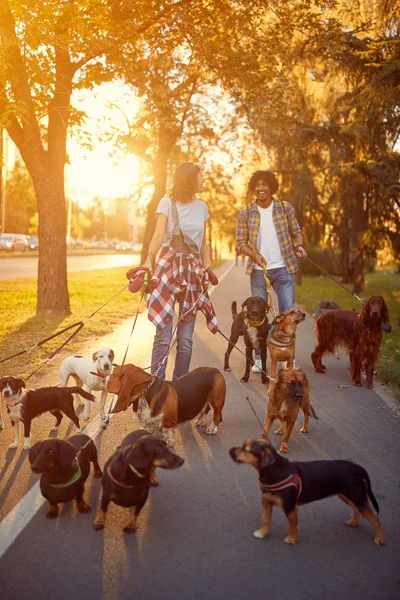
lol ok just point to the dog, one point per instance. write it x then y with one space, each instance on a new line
282 338
91 374
129 473
64 468
360 332
290 484
252 323
25 405
160 406
289 392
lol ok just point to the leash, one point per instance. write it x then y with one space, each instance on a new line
241 352
362 300
269 293
133 327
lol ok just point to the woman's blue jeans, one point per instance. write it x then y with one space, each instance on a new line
282 283
184 345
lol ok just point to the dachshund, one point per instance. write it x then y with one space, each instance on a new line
65 466
290 484
129 473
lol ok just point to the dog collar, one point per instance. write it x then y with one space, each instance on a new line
73 479
120 483
276 342
251 324
11 405
98 374
281 485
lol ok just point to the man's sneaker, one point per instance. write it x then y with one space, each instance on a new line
256 368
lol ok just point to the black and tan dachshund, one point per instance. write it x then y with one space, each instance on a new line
252 323
64 470
290 484
130 471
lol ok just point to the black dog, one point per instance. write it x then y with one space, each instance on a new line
25 405
253 325
63 471
129 472
289 484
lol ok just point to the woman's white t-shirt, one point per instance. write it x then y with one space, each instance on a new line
191 216
267 239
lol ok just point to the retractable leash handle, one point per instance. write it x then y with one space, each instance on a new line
138 276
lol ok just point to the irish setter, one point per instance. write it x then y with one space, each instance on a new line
360 332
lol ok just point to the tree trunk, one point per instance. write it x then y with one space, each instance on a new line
159 181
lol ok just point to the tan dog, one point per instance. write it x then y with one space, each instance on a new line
161 406
289 392
282 337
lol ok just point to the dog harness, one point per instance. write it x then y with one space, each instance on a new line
73 479
281 485
275 342
251 324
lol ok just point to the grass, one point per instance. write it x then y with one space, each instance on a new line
384 282
20 327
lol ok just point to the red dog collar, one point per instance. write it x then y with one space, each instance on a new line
124 485
16 404
98 374
281 485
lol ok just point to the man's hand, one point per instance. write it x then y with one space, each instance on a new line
259 259
300 251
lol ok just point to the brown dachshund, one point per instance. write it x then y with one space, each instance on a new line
289 392
282 337
290 484
161 406
360 332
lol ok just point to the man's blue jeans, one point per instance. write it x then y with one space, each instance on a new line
184 345
282 283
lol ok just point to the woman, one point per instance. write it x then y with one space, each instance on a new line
180 273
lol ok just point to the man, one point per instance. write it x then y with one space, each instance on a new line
268 233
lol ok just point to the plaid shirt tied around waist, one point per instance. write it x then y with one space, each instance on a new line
286 227
176 273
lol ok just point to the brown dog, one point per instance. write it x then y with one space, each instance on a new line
160 406
290 484
289 392
282 337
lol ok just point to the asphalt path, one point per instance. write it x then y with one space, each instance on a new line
24 267
194 537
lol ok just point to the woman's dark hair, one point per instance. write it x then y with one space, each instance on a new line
266 176
184 184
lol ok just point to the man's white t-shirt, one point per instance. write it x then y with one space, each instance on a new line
192 217
267 240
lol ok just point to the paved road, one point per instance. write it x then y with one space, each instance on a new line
24 267
194 536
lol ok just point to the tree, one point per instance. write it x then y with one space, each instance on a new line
20 200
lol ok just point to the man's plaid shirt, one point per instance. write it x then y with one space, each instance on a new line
286 227
176 273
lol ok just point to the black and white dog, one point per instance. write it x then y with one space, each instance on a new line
24 405
90 374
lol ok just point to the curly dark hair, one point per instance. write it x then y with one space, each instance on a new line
266 176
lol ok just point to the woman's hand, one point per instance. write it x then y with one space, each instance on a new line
148 264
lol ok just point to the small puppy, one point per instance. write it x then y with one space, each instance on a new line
282 337
252 323
288 393
129 472
63 472
291 484
160 406
91 374
25 405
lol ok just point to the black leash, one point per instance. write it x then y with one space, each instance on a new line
335 280
241 352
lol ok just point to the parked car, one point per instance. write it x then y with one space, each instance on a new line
14 242
33 242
